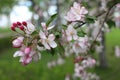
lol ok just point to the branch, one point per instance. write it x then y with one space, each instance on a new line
106 16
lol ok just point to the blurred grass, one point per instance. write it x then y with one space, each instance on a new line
11 69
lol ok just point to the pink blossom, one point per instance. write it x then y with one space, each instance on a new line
71 33
27 55
47 42
76 13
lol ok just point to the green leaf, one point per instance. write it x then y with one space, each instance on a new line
90 19
64 26
81 33
51 19
111 23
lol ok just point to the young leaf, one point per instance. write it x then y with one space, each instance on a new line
51 19
90 19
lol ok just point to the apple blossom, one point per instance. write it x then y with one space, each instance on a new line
26 55
71 33
30 28
76 13
47 42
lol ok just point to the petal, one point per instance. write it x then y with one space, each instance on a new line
50 27
76 5
30 28
37 56
69 38
43 24
45 44
51 37
42 35
18 53
20 38
75 37
53 44
83 10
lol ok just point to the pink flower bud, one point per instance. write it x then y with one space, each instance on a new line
27 50
27 60
21 27
19 23
17 43
24 23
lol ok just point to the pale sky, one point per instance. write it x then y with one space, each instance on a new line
20 13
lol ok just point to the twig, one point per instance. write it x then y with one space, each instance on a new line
101 26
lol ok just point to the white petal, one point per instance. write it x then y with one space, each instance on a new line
18 53
45 44
51 37
50 27
42 35
52 44
75 37
30 27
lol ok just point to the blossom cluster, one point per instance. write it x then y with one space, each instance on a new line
31 41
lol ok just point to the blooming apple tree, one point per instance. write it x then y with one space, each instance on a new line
71 40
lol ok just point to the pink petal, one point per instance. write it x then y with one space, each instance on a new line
69 38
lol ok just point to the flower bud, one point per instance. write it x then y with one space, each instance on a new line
19 23
24 23
13 28
27 50
21 27
14 24
17 43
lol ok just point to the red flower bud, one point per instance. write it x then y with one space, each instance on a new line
13 28
19 24
24 23
14 24
21 27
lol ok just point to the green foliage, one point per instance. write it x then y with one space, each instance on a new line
110 23
11 68
51 19
6 6
90 19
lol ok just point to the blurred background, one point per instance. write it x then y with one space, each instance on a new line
38 11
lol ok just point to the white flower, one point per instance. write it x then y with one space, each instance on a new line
76 13
30 28
71 33
47 42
